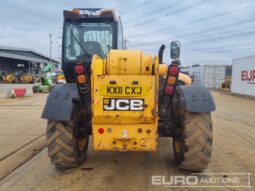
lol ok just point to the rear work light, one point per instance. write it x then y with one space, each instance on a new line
76 11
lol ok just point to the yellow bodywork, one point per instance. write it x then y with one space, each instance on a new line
60 78
226 84
101 98
8 78
26 78
185 79
125 101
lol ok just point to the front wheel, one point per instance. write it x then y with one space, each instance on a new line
193 144
64 149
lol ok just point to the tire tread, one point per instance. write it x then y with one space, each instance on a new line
60 144
197 132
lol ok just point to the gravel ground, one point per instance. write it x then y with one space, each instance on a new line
233 152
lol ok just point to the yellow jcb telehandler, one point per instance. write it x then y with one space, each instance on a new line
126 100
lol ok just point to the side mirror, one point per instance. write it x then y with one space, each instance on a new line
175 50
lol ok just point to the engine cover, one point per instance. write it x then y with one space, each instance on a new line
124 95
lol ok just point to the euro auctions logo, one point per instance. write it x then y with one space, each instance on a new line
248 76
174 181
206 180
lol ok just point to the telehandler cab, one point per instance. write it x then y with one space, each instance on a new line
125 99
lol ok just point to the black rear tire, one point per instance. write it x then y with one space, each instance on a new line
193 147
64 149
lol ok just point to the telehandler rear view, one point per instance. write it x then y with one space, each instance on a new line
125 99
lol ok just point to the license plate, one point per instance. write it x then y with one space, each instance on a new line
123 90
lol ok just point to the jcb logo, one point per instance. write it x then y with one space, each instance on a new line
123 104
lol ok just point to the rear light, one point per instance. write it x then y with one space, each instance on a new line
171 80
81 79
173 70
100 130
169 90
79 69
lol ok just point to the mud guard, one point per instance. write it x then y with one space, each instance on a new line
196 98
60 104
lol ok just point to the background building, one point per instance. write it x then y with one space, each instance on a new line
210 76
243 76
21 59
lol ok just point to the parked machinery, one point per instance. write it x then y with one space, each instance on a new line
26 78
45 80
226 84
8 78
125 99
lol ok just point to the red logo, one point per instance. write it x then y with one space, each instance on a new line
248 75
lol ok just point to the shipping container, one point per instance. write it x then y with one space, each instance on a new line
210 76
243 76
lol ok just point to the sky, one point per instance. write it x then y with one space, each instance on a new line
210 31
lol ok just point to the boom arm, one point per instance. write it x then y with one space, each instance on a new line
47 68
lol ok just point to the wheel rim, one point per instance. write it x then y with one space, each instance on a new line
177 145
82 140
81 143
